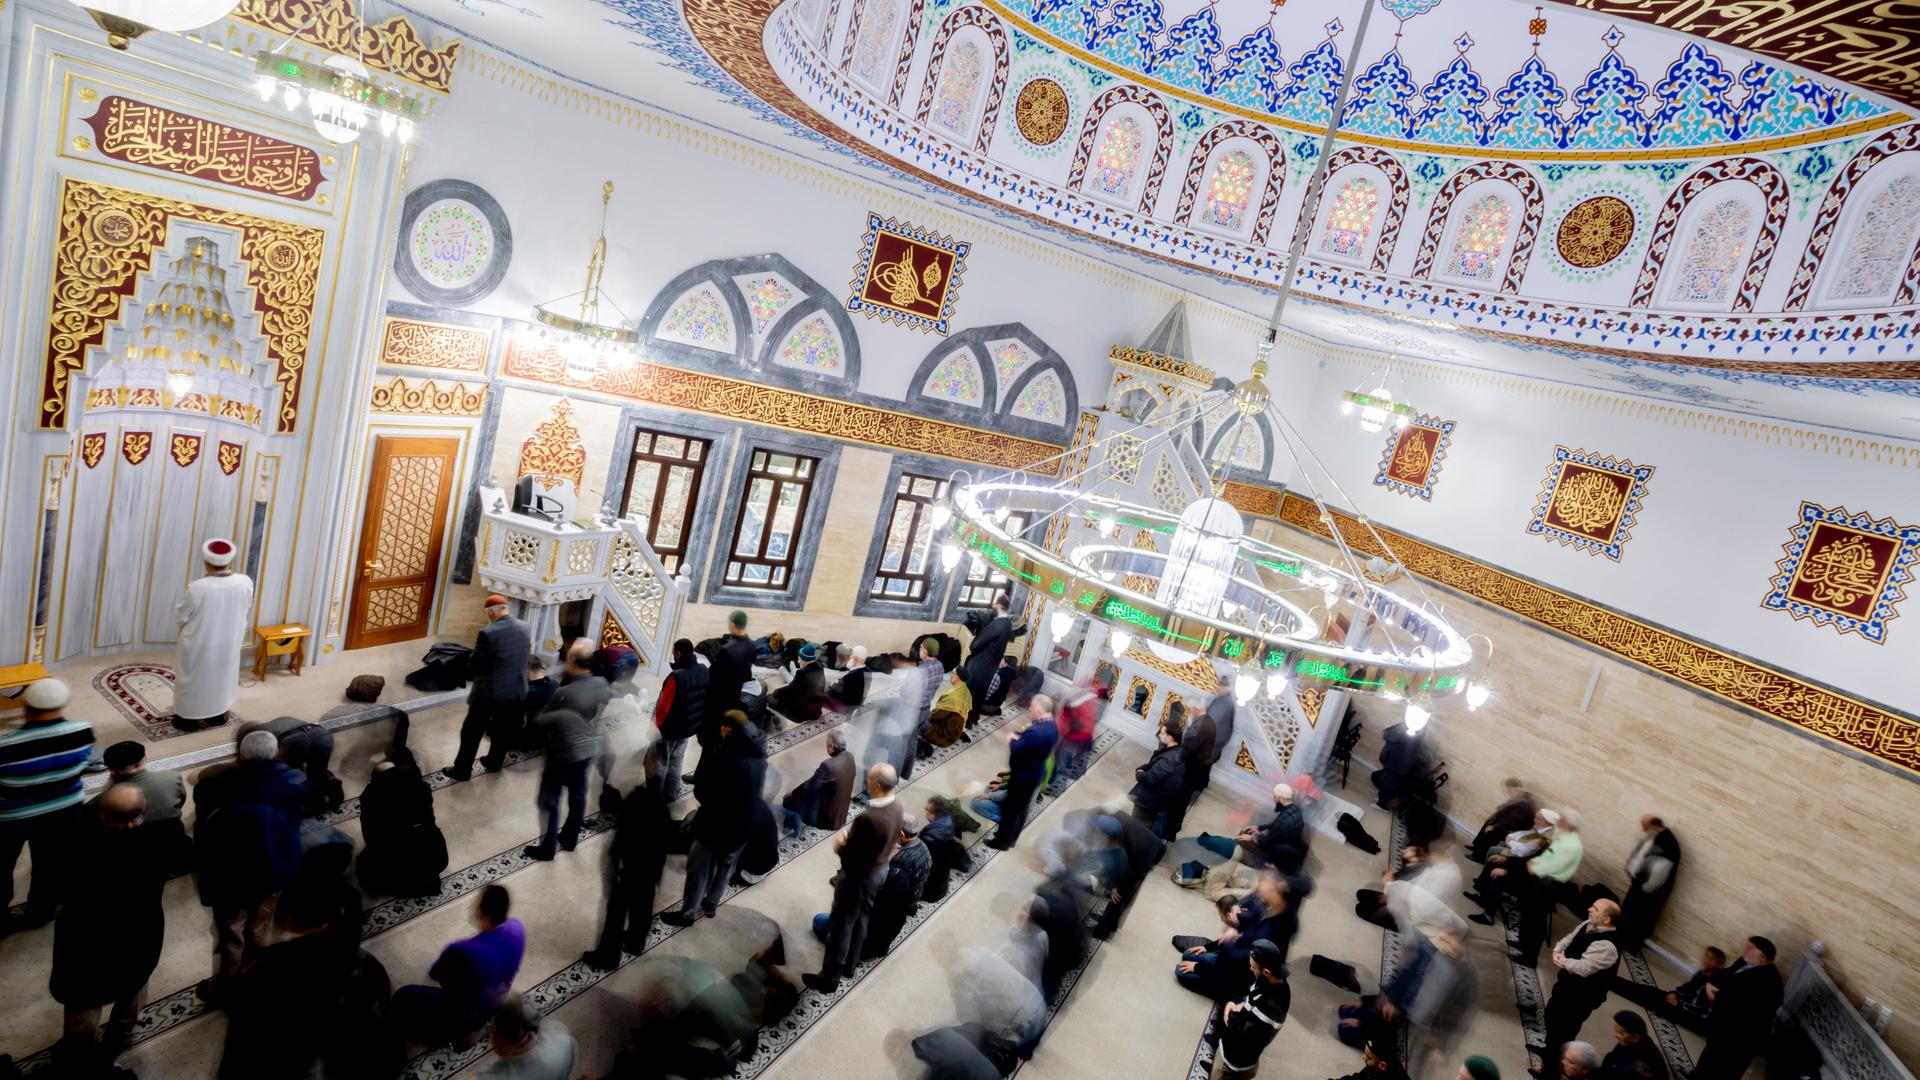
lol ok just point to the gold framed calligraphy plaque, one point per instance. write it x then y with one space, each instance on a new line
1844 571
1590 502
907 275
148 135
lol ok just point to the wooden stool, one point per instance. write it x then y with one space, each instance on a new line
13 684
282 640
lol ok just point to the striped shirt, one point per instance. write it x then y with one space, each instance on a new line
40 767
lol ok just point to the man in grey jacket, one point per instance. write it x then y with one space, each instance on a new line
497 671
572 744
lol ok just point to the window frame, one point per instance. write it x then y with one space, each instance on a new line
720 439
760 468
699 468
810 519
919 526
939 579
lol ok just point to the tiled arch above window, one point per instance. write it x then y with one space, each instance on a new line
760 315
1001 377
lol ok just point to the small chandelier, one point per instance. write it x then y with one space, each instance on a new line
340 95
586 343
1377 406
124 20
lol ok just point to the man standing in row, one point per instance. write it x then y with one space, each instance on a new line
989 645
572 744
40 766
497 672
214 617
679 712
866 849
1587 959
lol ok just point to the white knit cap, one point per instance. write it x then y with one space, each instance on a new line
47 694
1552 816
1283 793
217 552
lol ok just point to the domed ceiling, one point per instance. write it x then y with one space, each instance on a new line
1737 202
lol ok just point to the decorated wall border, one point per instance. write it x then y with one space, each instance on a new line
869 270
428 398
1604 491
394 46
1531 201
1156 166
1270 190
1875 732
1426 437
417 343
106 239
1773 192
997 82
1827 220
1822 578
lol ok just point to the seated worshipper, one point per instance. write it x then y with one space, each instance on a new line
767 650
1498 876
1650 876
945 852
1281 842
1578 1060
405 851
822 800
1371 904
289 1010
727 786
617 664
692 1023
1248 1025
1513 815
166 792
1634 1055
761 855
474 974
1221 973
526 1045
307 748
849 691
947 723
804 697
899 896
1745 998
1009 797
107 937
1160 784
1001 684
247 846
1587 959
1057 911
1377 1063
1686 1004
1228 908
1549 873
998 993
955 1053
634 861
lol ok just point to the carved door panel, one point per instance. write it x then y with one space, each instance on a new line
400 540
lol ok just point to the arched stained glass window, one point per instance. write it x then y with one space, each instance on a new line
813 345
1714 253
957 379
1229 189
1043 399
1249 449
1351 218
959 83
699 318
1482 236
873 57
1118 158
1882 243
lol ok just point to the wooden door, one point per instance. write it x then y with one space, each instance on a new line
400 540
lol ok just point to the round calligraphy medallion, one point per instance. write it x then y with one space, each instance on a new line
1040 111
281 256
455 242
114 227
451 243
1595 232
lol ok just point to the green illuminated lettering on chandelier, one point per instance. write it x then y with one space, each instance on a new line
1127 613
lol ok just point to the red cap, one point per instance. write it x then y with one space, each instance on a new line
495 600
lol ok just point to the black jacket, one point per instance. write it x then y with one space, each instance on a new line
949 854
691 682
1198 750
727 785
1161 782
732 667
498 666
989 645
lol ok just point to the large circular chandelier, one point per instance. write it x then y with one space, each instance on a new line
1274 617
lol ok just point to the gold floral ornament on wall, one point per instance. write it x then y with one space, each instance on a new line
1590 502
907 275
553 452
393 46
1844 570
1041 111
1595 232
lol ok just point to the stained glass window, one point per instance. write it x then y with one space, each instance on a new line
873 50
767 296
1118 159
699 318
1010 358
1882 243
1481 238
812 345
1714 252
959 81
957 379
1043 399
1351 218
1249 449
1229 189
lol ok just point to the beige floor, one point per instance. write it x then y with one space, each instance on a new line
1126 1015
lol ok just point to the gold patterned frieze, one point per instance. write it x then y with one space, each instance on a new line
334 26
107 237
424 397
1250 499
1166 365
1198 673
772 406
1885 735
413 343
154 137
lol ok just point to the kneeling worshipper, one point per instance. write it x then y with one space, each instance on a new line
948 723
804 697
405 850
214 625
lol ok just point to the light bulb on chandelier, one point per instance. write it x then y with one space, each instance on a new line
1276 684
949 556
1244 687
1119 640
941 515
1477 695
1060 622
1417 717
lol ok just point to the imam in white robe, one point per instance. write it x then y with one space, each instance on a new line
215 618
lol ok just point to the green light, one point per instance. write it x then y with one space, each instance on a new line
1275 659
1321 669
1086 599
1058 586
1127 613
1289 569
1233 648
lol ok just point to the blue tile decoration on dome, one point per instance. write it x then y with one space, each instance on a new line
1696 100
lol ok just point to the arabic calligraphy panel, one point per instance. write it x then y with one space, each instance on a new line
1590 502
1845 571
907 275
1411 462
139 133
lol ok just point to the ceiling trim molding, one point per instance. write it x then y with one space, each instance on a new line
1879 734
